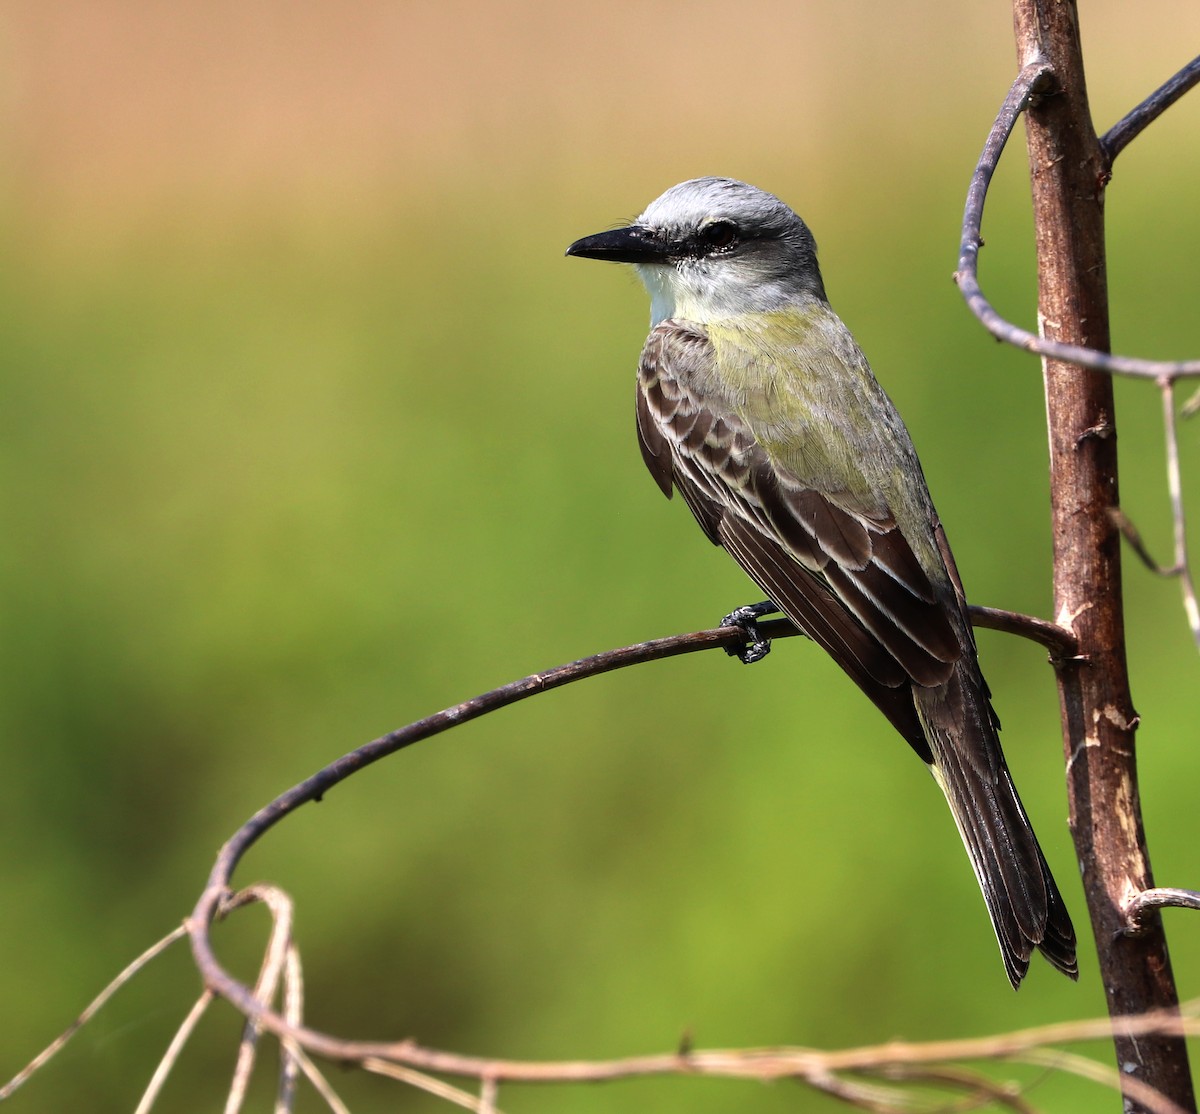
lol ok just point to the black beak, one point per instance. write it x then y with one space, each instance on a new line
622 245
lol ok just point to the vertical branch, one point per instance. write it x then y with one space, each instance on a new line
1068 171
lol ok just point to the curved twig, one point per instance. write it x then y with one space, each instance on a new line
1034 80
94 1007
1161 897
1059 1059
1058 640
169 1058
218 899
1133 123
313 788
1181 568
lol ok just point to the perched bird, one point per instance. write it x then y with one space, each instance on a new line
755 402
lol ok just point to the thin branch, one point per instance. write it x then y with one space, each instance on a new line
1175 487
316 786
217 901
870 1096
981 1090
932 1062
1058 640
1181 567
279 904
316 1078
1130 126
1035 79
971 1090
169 1059
763 1064
293 1012
1106 1076
489 1094
430 1085
1137 543
1160 897
93 1008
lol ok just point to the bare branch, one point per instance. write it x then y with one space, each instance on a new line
1060 1060
217 901
1175 487
293 1012
1160 897
1137 543
400 1058
430 1085
1181 567
1068 173
934 1063
975 1088
167 1064
314 1075
489 1092
413 1064
93 1008
1130 126
274 962
1035 79
1058 640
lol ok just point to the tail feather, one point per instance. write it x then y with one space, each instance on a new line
1058 942
1026 909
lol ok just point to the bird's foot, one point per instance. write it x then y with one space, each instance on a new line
746 620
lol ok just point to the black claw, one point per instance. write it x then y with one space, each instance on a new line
746 620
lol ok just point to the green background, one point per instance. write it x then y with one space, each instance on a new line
308 429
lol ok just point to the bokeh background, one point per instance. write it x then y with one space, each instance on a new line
308 429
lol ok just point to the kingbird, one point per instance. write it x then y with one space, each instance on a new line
755 402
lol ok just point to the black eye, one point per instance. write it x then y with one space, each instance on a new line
719 235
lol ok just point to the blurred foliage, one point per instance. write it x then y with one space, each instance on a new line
285 471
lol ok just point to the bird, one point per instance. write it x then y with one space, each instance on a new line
756 404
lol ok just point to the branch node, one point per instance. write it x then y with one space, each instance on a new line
1131 125
1032 85
1099 432
1139 904
1132 535
1045 84
1057 639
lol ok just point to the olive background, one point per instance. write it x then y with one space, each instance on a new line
308 430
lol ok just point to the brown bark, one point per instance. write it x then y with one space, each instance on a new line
1069 171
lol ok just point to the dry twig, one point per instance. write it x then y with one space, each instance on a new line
94 1007
1037 79
169 1059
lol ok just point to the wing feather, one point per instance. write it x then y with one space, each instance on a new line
807 601
838 565
799 544
656 452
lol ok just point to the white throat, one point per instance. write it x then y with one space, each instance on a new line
704 291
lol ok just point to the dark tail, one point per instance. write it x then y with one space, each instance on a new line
1026 908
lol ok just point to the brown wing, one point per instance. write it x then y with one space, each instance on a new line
847 578
840 568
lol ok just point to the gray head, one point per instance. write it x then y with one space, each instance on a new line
712 248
